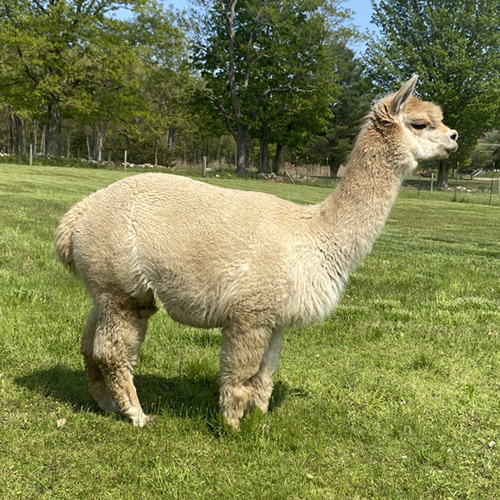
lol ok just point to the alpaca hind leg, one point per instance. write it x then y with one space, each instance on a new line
240 360
121 328
96 383
263 380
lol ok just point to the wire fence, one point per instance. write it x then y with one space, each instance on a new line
461 188
483 190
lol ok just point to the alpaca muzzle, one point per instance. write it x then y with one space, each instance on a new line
451 146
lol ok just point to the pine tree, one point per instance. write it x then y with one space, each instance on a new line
350 106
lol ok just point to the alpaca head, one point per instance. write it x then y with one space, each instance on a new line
419 122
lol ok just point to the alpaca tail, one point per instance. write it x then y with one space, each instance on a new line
64 235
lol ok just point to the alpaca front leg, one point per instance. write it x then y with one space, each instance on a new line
240 360
263 380
121 386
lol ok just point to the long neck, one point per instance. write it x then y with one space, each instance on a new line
356 212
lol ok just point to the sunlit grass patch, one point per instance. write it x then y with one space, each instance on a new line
394 395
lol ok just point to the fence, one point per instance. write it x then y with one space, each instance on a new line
461 188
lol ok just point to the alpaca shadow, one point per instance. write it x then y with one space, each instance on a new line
185 396
60 383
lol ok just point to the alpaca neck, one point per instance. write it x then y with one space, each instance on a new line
356 212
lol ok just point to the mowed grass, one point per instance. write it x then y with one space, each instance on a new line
394 396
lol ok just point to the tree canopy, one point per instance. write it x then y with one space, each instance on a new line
84 78
72 59
348 109
454 45
252 53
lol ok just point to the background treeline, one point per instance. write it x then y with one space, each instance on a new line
245 82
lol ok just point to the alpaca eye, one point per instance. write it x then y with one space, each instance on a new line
419 126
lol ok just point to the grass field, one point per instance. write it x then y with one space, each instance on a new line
396 395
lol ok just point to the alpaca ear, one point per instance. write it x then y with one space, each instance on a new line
402 95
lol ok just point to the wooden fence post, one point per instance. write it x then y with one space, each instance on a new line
125 160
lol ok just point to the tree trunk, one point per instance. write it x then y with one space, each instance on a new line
98 137
278 157
53 128
42 141
241 142
111 143
334 170
87 140
219 145
443 174
263 154
35 136
10 136
171 138
68 145
23 137
17 126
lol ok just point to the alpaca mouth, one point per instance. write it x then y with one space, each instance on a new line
452 148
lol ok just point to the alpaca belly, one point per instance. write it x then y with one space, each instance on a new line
192 306
199 294
316 306
193 314
190 320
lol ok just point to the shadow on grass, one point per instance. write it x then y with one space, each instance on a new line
187 396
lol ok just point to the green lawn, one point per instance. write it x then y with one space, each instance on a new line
394 396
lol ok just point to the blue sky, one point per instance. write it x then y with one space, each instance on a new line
362 9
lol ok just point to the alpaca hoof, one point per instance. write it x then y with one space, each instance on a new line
142 420
150 420
232 424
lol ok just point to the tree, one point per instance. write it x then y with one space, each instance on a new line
162 85
251 51
294 120
288 120
59 55
73 62
487 151
454 45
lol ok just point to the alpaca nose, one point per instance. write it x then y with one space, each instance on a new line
452 145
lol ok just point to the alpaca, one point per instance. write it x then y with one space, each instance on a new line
249 263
